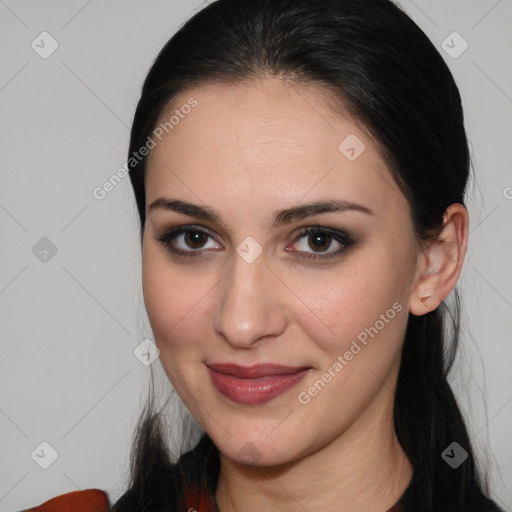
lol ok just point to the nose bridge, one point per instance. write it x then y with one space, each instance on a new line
249 305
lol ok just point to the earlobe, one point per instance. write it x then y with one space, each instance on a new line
441 262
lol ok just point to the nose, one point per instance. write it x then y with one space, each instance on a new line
251 304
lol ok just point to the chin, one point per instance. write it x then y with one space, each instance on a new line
258 450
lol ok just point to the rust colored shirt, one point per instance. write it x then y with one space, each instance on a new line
89 500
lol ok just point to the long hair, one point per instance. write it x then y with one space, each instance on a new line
378 63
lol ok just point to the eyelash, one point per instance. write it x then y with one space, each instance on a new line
167 237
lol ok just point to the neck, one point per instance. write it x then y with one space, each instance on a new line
362 469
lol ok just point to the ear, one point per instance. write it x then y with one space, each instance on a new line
441 262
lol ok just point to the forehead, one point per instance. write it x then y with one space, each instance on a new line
266 140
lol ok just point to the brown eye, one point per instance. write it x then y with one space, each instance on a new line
320 240
195 239
186 241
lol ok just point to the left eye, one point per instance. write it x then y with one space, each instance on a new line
320 239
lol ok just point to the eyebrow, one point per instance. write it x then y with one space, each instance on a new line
280 218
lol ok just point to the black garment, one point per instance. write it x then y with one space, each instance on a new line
478 502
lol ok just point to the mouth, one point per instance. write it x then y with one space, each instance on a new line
256 384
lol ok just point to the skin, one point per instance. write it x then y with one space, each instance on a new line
247 151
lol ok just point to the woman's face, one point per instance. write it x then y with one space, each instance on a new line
248 287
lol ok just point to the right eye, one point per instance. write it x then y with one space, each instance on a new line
191 239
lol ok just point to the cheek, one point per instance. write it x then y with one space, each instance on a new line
363 301
175 300
165 296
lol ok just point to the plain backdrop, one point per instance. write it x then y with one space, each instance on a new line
71 310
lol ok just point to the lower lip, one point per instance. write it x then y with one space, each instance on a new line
256 390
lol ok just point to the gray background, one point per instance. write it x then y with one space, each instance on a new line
71 322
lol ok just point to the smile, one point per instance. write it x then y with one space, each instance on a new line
254 384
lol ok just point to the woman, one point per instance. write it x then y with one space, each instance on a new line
300 169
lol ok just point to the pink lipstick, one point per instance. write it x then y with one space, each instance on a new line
254 384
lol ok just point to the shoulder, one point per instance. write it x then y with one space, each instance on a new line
88 500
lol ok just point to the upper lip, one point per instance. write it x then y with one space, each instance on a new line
255 371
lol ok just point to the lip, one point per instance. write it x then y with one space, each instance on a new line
254 384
